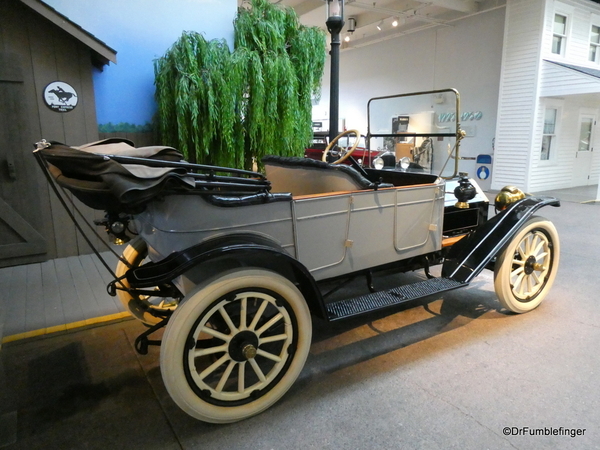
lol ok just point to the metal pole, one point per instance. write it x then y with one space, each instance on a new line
334 94
334 25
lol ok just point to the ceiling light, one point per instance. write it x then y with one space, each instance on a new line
347 38
351 24
380 25
395 22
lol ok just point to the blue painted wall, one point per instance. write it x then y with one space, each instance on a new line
141 31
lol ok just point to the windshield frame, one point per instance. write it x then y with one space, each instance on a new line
459 134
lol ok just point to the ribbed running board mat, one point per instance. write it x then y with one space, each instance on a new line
379 300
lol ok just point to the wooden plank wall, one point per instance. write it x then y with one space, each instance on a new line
17 202
22 197
48 54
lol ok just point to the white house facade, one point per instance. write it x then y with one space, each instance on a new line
549 96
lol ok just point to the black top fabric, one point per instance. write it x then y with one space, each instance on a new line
102 183
126 184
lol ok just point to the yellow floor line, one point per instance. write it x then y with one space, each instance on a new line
65 327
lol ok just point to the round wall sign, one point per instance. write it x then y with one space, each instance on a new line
483 173
60 96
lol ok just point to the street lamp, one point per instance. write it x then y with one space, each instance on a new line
335 23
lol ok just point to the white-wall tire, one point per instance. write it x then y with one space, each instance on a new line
135 253
525 271
235 345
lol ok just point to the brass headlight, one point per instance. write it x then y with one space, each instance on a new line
507 196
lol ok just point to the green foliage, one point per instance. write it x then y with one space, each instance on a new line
225 108
124 127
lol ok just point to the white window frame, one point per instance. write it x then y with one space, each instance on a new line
567 11
594 22
595 46
583 116
554 135
564 38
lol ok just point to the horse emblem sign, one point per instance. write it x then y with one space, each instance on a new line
60 96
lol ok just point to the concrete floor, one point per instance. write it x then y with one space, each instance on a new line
452 372
579 194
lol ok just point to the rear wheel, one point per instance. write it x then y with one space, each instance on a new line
525 270
235 345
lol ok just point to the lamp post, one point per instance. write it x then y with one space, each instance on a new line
335 23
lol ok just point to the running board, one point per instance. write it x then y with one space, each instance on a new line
384 299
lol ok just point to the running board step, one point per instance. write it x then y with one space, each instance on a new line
384 299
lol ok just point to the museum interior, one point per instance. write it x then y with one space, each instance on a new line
292 224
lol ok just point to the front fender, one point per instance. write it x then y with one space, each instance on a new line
469 256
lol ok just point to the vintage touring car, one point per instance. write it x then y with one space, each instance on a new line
233 262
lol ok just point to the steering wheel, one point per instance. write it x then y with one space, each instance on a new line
348 153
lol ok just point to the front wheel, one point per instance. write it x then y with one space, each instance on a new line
525 270
235 345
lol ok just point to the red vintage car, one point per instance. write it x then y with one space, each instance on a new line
340 150
361 154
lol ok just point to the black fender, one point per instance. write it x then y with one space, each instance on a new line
226 252
469 256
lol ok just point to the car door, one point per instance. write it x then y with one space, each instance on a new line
321 226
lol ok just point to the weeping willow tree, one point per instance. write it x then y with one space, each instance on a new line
225 108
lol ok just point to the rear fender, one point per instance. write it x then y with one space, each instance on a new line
207 259
469 256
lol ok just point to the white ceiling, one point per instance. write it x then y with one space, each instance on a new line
412 15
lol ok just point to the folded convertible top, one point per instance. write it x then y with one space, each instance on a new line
116 177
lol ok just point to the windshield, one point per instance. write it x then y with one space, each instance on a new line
422 127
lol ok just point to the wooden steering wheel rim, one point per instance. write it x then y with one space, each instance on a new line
347 155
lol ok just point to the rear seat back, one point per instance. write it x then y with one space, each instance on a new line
305 176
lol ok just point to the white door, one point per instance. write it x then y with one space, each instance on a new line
583 155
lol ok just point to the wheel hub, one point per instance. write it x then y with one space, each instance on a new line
531 265
243 346
249 351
